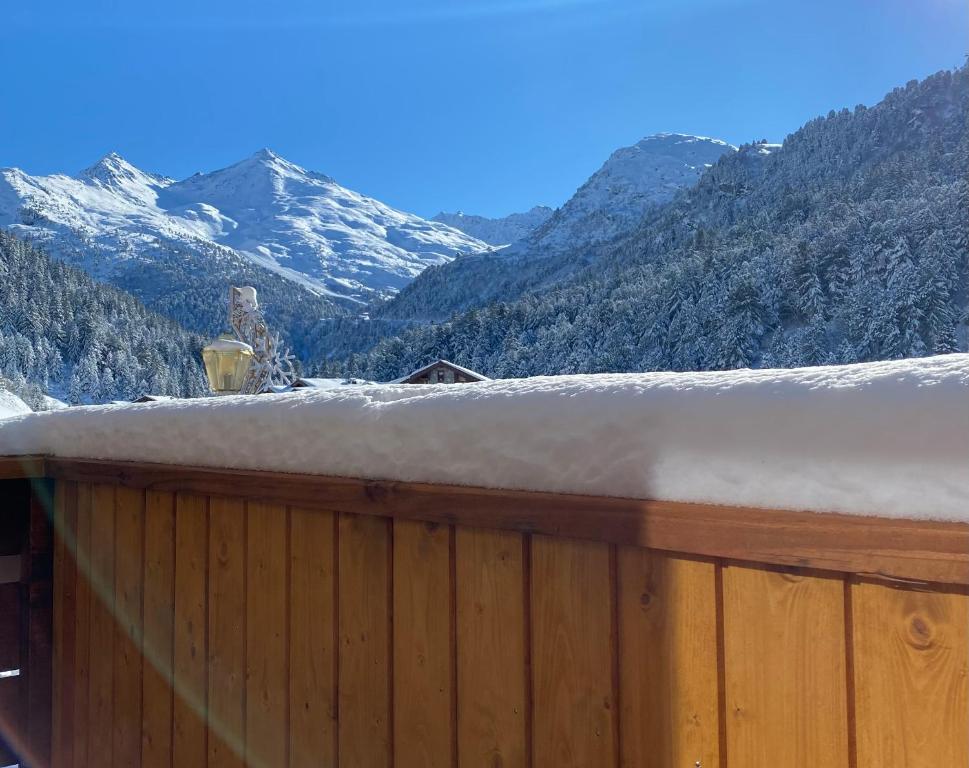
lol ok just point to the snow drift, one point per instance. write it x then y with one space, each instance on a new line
11 405
888 439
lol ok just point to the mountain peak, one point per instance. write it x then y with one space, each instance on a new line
113 170
266 154
267 164
109 166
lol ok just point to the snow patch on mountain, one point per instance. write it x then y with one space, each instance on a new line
300 224
497 231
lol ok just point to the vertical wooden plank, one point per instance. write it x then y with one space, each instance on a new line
158 629
574 716
12 689
668 660
365 642
40 614
911 663
267 672
129 572
312 639
191 552
101 701
422 645
82 627
65 613
490 649
61 589
227 632
784 651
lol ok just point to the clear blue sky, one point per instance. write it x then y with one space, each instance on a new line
488 106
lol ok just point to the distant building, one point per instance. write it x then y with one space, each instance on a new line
309 383
151 398
441 372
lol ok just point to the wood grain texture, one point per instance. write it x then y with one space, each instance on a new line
23 467
365 642
158 630
128 576
101 691
911 668
267 673
575 707
668 660
491 635
423 726
785 656
227 632
189 670
912 549
65 626
312 639
82 652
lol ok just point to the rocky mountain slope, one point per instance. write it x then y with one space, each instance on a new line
497 231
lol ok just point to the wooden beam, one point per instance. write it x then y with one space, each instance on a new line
22 467
916 550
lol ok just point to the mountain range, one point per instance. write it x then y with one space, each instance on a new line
849 242
278 216
319 254
846 242
631 182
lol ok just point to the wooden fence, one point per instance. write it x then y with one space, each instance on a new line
233 618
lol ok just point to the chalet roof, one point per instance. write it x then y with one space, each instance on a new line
316 383
430 366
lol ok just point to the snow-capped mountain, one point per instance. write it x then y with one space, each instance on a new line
610 204
499 231
299 224
616 196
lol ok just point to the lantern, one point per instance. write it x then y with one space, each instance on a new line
226 362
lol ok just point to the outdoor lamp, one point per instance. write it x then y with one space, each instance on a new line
226 362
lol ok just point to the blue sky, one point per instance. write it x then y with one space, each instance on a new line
488 106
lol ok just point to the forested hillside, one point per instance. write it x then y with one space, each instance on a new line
65 334
849 243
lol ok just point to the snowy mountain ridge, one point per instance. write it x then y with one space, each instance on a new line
297 223
632 180
610 204
497 231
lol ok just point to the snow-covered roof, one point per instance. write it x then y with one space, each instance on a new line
315 383
474 375
887 438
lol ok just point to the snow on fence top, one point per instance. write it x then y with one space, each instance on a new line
887 439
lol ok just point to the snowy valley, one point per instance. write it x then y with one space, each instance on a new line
846 243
